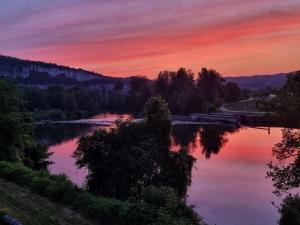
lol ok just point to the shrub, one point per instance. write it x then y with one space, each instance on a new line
159 206
158 195
290 210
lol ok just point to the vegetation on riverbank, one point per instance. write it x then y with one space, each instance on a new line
285 174
32 209
286 103
125 160
158 206
16 130
180 89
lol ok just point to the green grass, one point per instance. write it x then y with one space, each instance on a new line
32 209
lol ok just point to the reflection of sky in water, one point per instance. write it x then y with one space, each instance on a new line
62 151
229 188
64 163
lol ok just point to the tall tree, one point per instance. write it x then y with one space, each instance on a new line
287 103
124 161
231 92
285 174
158 120
16 130
209 83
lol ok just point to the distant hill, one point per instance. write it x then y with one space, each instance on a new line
43 74
258 82
33 73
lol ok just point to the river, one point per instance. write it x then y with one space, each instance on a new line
228 180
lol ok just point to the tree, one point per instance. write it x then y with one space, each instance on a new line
70 104
35 99
55 97
209 83
231 92
138 94
16 129
162 84
121 162
285 174
158 120
118 86
138 83
290 210
287 103
124 161
13 129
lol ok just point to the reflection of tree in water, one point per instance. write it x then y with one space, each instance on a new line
213 138
185 135
53 134
285 174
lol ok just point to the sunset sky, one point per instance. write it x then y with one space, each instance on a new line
131 37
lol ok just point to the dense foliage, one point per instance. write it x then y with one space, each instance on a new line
158 206
285 174
212 138
183 93
16 130
125 160
286 103
59 103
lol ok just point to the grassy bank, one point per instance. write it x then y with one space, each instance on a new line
33 209
158 207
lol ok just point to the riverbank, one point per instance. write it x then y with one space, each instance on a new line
227 119
32 209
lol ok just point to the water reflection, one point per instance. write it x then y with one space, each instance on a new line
53 134
185 136
228 189
212 137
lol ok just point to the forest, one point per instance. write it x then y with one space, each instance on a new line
183 93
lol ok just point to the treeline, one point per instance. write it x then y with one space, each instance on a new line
285 104
181 90
16 130
59 103
185 94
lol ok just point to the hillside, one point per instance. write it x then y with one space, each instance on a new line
31 209
44 74
258 82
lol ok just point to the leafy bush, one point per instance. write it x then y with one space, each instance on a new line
165 208
290 210
158 195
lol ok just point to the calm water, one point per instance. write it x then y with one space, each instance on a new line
228 185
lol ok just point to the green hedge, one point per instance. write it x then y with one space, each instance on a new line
167 209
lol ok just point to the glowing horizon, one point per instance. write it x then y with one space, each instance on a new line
132 37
